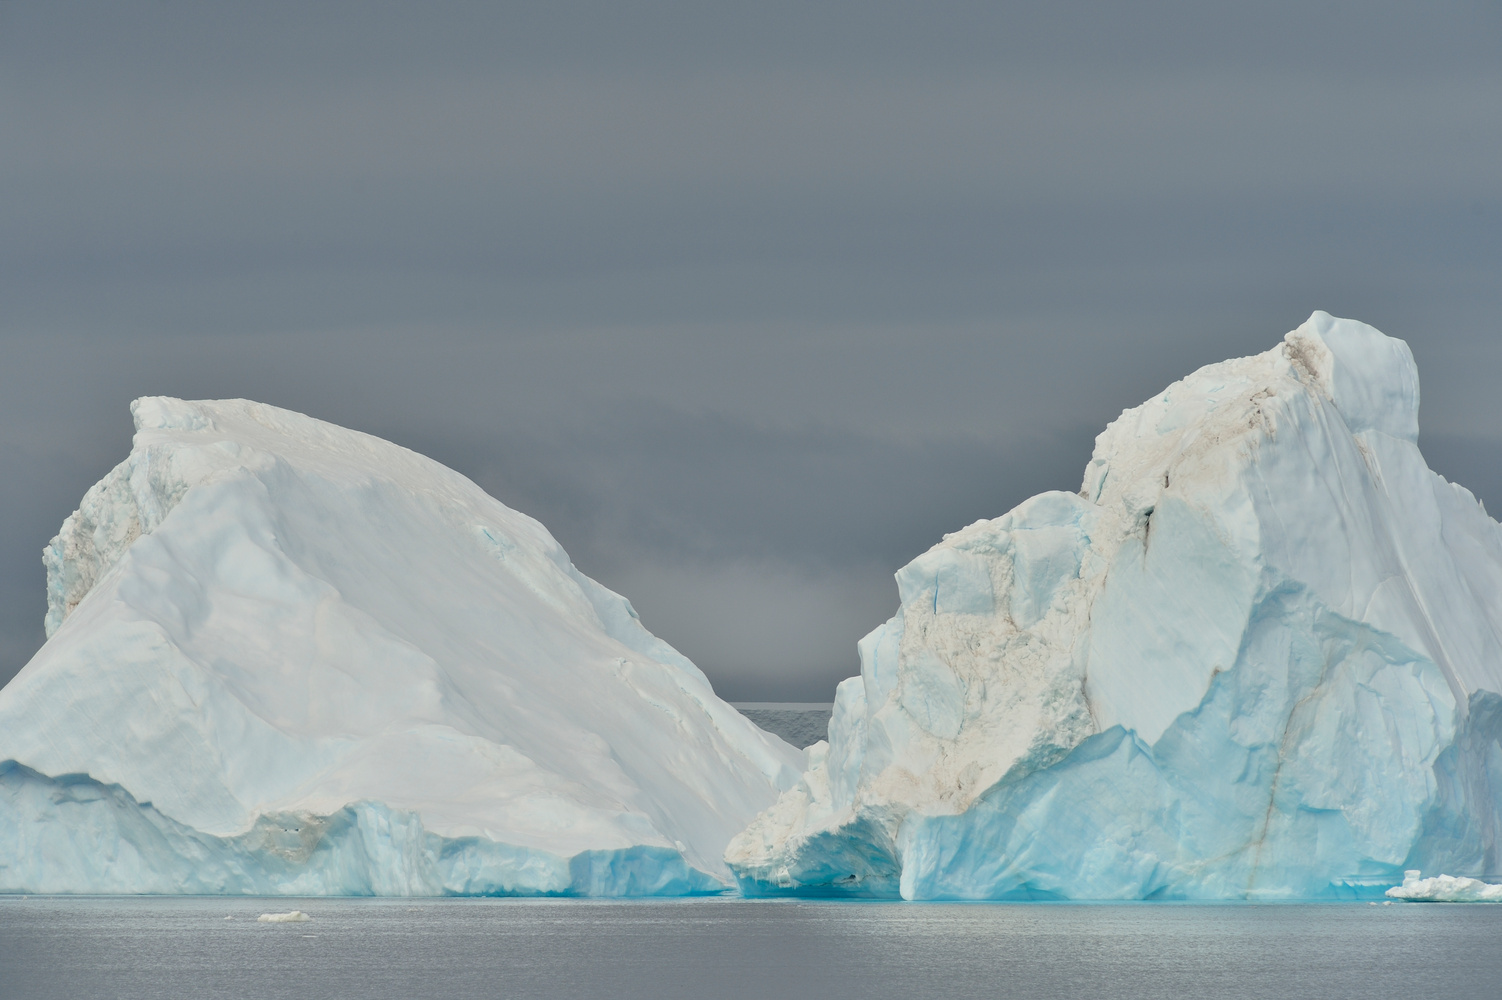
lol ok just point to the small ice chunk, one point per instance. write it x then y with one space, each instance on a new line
294 917
1445 889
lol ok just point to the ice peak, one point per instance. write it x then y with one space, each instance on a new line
180 444
165 413
1369 376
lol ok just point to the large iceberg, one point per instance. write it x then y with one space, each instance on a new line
1258 655
285 657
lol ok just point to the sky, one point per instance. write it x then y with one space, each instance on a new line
748 303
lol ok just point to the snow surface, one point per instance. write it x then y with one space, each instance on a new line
1258 655
285 657
1445 889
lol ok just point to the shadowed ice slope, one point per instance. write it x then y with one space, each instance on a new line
1257 655
288 657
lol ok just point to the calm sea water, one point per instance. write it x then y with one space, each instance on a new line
733 948
800 725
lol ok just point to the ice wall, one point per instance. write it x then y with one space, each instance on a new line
289 657
1257 655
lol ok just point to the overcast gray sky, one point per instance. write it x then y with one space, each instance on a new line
748 303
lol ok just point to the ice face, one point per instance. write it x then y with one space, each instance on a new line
1257 655
72 834
265 629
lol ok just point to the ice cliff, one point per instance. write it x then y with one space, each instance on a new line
1258 655
285 657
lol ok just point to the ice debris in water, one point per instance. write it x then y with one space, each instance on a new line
284 656
291 917
1257 655
1445 889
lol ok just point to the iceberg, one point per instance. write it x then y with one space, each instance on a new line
290 917
1445 889
288 658
1257 656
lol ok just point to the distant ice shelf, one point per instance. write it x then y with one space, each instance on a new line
289 658
1258 655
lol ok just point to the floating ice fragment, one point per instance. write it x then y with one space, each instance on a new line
293 917
1445 889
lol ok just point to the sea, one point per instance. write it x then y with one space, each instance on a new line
726 947
800 723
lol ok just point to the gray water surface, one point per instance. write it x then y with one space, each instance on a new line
799 722
800 725
734 948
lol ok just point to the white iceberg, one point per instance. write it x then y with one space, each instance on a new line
1445 889
291 917
1258 655
289 658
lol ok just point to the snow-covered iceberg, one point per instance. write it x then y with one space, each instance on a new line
1258 655
1445 889
285 657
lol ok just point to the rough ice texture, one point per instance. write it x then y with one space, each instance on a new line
285 657
1256 656
1445 889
